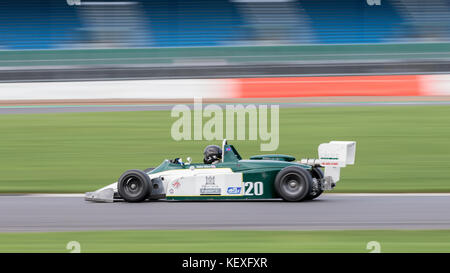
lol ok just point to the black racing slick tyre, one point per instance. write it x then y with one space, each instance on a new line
148 170
293 183
316 173
134 186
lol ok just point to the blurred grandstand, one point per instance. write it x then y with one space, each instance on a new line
40 40
54 24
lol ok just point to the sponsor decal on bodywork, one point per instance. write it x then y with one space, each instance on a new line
234 190
210 187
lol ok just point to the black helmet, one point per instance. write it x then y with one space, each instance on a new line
211 154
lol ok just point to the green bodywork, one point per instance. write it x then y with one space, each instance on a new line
262 168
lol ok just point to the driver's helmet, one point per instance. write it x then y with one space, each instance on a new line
212 154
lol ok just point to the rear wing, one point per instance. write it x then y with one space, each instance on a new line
334 156
337 153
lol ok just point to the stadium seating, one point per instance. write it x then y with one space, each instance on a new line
54 24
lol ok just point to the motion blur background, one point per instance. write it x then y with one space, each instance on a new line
71 24
373 71
84 40
59 52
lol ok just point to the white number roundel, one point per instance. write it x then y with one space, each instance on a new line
254 188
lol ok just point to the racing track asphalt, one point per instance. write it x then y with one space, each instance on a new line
330 211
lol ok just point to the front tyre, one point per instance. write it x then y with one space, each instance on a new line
148 170
293 183
134 186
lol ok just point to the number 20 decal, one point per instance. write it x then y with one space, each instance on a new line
254 188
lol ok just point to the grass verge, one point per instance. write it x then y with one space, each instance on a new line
399 148
229 241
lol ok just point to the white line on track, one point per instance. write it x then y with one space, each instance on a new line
51 195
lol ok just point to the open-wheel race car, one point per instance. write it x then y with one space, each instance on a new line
225 175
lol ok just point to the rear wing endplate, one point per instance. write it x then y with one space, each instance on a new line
336 155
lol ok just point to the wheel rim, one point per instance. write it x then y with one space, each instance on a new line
133 186
292 185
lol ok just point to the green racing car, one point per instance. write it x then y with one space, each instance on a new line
224 175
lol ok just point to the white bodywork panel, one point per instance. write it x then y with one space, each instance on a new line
199 182
105 194
336 155
186 182
204 184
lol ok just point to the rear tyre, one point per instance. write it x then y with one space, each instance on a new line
293 183
316 173
134 186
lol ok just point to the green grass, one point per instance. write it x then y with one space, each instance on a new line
229 241
399 149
